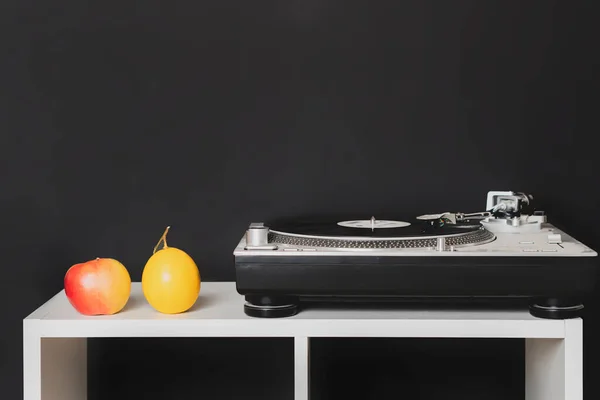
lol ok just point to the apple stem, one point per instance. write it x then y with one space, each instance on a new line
163 239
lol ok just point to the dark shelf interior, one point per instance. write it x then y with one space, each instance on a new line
424 369
191 368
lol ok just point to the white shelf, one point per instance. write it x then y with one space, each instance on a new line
553 347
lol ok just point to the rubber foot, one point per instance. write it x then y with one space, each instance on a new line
281 311
556 312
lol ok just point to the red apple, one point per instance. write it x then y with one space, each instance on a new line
98 287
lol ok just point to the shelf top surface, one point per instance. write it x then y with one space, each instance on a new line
220 305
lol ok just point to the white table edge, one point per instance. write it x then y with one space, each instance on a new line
554 355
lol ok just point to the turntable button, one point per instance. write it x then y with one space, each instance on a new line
309 249
530 250
550 251
290 249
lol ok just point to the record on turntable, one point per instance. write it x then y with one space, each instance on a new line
348 233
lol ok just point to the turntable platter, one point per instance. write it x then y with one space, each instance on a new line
374 234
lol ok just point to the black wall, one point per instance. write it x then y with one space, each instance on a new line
117 119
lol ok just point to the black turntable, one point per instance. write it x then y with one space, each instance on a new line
508 251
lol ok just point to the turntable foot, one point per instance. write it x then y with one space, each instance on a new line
555 309
270 306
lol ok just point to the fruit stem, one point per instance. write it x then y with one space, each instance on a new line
163 239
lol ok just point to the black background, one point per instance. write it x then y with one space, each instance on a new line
119 118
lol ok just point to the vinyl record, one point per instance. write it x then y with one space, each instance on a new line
368 228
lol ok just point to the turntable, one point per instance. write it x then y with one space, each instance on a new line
507 252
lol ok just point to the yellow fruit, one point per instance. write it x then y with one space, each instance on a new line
171 279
